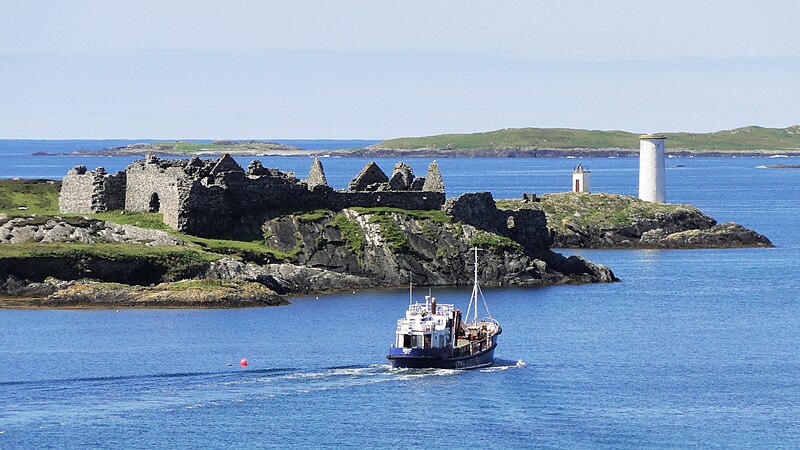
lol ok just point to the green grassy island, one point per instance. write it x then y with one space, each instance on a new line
566 141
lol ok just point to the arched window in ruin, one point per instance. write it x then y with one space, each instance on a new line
155 203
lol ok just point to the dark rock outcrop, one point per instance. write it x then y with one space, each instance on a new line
724 235
390 248
527 227
17 287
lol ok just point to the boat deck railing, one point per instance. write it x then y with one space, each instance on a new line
472 346
419 308
405 324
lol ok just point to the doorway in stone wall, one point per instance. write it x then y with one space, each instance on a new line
155 203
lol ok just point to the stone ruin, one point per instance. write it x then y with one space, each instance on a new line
210 197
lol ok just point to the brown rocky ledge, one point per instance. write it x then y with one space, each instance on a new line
182 294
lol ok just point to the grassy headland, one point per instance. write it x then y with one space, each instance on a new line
593 211
745 139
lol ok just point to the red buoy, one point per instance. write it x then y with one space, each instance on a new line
243 362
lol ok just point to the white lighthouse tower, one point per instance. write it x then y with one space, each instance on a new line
651 168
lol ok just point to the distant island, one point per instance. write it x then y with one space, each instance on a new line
179 148
508 142
559 142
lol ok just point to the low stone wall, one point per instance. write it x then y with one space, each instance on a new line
86 192
392 199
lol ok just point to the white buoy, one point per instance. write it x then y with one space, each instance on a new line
651 168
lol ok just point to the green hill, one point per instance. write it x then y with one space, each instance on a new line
745 139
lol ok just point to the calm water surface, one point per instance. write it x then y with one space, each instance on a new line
692 349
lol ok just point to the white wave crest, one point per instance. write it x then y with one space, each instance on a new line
518 365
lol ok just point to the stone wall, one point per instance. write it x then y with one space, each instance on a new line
86 192
203 210
392 199
113 195
153 187
77 190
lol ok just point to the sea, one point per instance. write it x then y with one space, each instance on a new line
692 349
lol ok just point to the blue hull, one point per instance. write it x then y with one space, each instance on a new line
483 359
421 359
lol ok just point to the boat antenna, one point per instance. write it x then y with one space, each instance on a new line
410 289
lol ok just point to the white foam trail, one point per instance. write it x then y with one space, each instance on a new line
519 364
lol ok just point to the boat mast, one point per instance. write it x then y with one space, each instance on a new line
473 300
476 292
410 290
475 286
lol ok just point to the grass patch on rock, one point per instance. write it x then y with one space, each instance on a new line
489 240
247 250
391 233
313 215
353 235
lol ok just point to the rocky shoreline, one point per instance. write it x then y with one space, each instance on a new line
86 294
49 261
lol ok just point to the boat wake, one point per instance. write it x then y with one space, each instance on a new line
501 365
76 400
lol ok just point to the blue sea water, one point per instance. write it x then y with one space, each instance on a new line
695 348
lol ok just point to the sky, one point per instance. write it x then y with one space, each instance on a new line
381 69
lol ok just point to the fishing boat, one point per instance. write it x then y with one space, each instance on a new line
434 335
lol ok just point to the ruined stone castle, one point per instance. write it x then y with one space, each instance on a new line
211 197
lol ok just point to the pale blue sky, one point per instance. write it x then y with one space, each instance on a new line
372 69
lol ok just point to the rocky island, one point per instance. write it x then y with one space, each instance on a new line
195 233
583 220
182 148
